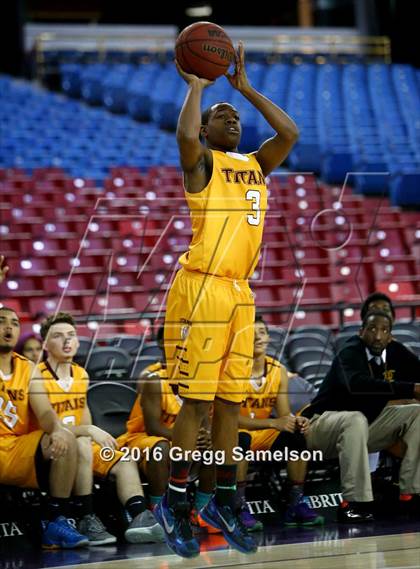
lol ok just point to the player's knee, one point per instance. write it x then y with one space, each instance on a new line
71 446
126 469
415 410
84 450
70 440
164 448
355 422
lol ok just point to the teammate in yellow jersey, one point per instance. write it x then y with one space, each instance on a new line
66 384
149 429
267 391
45 458
210 308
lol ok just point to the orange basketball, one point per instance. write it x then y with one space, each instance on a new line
204 49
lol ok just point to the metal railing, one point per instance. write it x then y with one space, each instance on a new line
332 46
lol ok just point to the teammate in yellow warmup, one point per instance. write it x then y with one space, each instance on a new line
210 308
149 429
267 391
44 458
66 384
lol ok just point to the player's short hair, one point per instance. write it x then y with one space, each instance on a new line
8 309
376 313
60 318
205 115
372 298
260 320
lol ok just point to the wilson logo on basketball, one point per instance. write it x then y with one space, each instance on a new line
216 33
221 52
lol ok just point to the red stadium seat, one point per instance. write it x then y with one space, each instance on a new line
46 306
76 284
102 304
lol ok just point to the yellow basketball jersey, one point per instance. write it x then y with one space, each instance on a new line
227 218
14 398
170 406
68 401
153 368
261 399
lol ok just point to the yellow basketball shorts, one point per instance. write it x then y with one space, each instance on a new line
143 442
209 336
101 467
263 439
17 459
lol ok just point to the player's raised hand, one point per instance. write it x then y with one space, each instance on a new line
239 79
190 78
3 269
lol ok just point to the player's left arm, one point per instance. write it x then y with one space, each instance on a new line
283 404
282 400
274 150
87 429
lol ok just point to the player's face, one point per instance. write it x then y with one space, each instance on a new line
32 349
62 343
261 339
382 305
9 330
223 131
376 334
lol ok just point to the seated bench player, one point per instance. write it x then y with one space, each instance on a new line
267 391
45 458
66 384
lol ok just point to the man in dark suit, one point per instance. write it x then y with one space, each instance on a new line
350 416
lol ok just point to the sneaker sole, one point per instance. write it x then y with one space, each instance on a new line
81 543
107 541
142 535
152 534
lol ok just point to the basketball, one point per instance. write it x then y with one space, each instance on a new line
204 49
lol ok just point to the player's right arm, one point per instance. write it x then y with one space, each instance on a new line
46 416
151 403
196 158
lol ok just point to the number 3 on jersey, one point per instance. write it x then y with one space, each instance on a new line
255 197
